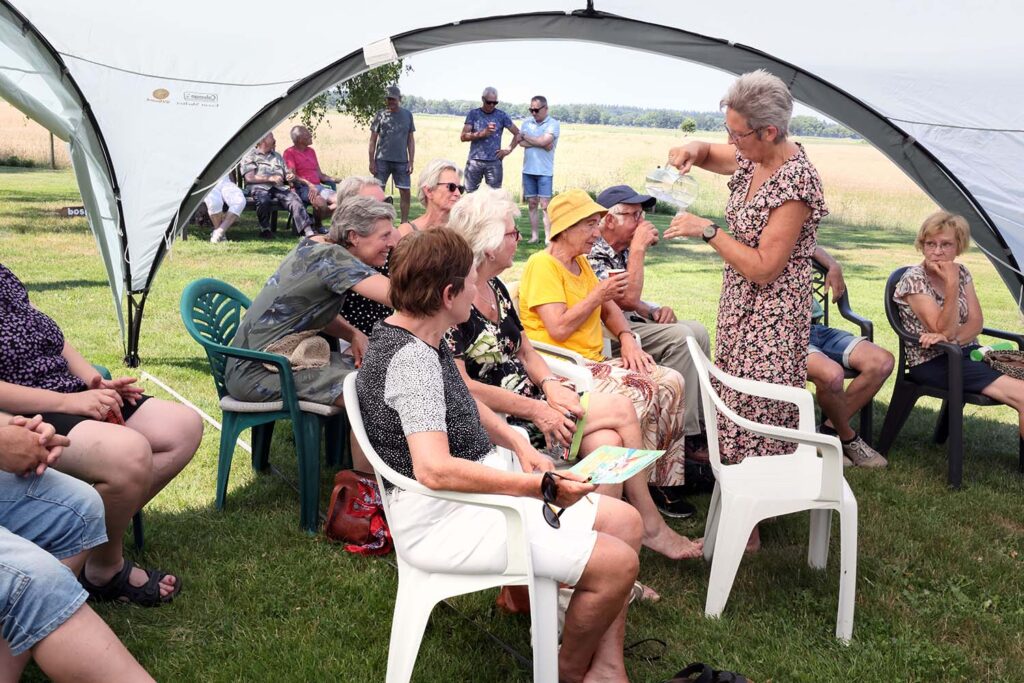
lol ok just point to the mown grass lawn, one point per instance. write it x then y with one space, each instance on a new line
940 587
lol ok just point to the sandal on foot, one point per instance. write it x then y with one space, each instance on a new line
120 589
642 593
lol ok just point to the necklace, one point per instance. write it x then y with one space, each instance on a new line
492 305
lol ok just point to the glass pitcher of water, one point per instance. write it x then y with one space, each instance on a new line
668 185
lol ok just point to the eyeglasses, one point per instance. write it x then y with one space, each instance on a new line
931 245
736 138
549 492
491 102
637 216
452 187
537 109
514 235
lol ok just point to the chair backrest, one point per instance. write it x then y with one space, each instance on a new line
212 310
818 289
892 313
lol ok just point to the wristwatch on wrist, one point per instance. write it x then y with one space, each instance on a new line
710 232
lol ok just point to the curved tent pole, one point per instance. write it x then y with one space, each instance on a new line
593 26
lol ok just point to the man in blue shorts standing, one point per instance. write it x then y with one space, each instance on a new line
831 351
482 130
539 138
393 147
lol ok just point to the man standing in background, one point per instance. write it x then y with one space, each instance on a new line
393 147
538 139
483 129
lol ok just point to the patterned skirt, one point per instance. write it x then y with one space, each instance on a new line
658 401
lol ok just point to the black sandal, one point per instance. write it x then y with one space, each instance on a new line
120 589
699 672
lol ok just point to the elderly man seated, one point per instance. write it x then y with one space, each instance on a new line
313 185
625 238
267 176
831 350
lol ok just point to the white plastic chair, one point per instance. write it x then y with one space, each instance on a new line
419 590
763 487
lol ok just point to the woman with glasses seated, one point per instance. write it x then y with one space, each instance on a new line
424 423
775 205
503 370
440 187
936 300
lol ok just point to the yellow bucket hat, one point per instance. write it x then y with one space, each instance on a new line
569 208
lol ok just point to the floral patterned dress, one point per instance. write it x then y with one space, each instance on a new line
306 293
763 330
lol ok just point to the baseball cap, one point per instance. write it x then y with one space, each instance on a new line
569 208
624 194
393 92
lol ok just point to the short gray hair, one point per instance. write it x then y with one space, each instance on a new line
763 100
359 215
294 132
489 90
480 218
351 186
429 176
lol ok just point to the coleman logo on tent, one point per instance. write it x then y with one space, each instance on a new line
161 93
201 97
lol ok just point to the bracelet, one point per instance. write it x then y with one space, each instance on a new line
549 378
619 335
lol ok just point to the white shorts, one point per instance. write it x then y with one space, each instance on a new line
225 192
441 535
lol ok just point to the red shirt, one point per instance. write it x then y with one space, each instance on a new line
304 163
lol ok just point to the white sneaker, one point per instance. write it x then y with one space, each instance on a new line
218 235
863 455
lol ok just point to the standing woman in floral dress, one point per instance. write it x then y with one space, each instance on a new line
775 205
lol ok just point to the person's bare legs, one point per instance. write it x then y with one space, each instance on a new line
828 377
1010 391
84 649
615 412
874 364
595 620
404 195
532 204
544 215
226 222
216 219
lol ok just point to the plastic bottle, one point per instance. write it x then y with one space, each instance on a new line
979 353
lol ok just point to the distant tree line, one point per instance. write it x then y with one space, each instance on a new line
617 115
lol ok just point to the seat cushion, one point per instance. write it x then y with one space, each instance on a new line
236 406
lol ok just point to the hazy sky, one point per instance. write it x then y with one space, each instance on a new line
566 72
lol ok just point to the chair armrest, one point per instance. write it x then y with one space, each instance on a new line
284 368
579 375
559 352
1003 334
777 392
867 328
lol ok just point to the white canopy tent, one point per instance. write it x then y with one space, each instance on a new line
157 101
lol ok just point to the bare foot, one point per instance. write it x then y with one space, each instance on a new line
609 674
754 542
674 546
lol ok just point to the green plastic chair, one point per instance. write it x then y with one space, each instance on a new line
138 533
212 311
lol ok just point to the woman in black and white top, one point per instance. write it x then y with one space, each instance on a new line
425 424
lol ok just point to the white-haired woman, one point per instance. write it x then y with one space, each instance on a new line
775 205
440 187
503 370
305 294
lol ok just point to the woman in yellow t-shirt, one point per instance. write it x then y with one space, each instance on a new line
563 303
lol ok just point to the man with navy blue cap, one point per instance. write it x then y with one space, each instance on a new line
625 238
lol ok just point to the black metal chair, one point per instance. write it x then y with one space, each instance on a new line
867 330
950 426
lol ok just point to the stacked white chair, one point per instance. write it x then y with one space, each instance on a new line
419 590
763 487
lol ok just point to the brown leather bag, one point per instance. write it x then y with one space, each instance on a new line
355 515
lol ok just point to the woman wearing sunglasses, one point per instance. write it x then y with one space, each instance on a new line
425 424
440 186
503 370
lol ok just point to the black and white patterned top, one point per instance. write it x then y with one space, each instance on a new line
363 313
406 386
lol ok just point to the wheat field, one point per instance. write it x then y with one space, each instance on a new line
862 187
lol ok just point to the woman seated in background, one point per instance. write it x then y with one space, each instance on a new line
440 187
423 422
561 302
503 370
304 297
127 444
936 300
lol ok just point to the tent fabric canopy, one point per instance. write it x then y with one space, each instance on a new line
157 102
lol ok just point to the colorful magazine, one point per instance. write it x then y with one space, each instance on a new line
614 464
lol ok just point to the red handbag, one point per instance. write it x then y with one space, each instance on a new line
355 515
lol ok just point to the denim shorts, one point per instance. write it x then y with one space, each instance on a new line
399 170
537 185
43 519
836 344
